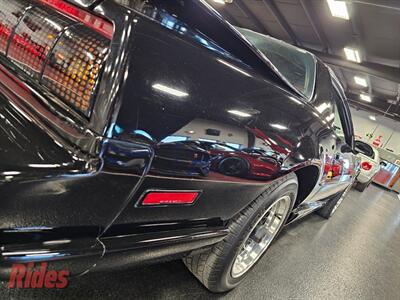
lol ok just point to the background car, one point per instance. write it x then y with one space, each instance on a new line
370 164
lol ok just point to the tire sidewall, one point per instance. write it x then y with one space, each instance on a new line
288 187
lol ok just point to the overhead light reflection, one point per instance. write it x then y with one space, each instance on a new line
279 126
11 173
234 67
324 106
295 100
45 166
169 90
273 141
365 97
330 117
239 113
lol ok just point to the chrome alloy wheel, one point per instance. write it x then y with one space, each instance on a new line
261 236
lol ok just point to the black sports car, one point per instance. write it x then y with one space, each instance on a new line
97 99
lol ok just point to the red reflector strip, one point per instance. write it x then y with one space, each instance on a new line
170 198
100 25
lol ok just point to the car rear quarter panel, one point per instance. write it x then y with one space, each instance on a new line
182 84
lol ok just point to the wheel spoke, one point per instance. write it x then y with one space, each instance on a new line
261 236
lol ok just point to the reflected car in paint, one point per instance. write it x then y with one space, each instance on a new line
247 163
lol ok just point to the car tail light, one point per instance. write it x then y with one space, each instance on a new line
34 37
366 166
74 66
10 14
169 198
60 46
98 24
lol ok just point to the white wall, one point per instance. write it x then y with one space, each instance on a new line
387 128
229 134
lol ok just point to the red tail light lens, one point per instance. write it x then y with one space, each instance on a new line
100 25
59 45
366 166
74 66
169 198
34 37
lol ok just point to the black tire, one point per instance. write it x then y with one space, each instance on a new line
329 209
213 267
234 166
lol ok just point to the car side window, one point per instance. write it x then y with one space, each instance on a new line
296 65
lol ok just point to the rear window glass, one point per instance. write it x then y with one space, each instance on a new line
296 65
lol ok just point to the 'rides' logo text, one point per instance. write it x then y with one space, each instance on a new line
27 276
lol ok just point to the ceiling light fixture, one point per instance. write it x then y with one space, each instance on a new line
352 54
239 113
219 1
338 9
372 118
360 81
365 97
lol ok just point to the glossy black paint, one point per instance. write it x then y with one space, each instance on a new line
175 69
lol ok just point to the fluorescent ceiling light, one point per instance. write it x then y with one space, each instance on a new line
234 67
365 97
169 90
279 126
352 54
360 81
338 9
239 113
219 1
372 118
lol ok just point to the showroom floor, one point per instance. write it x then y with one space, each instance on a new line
355 255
